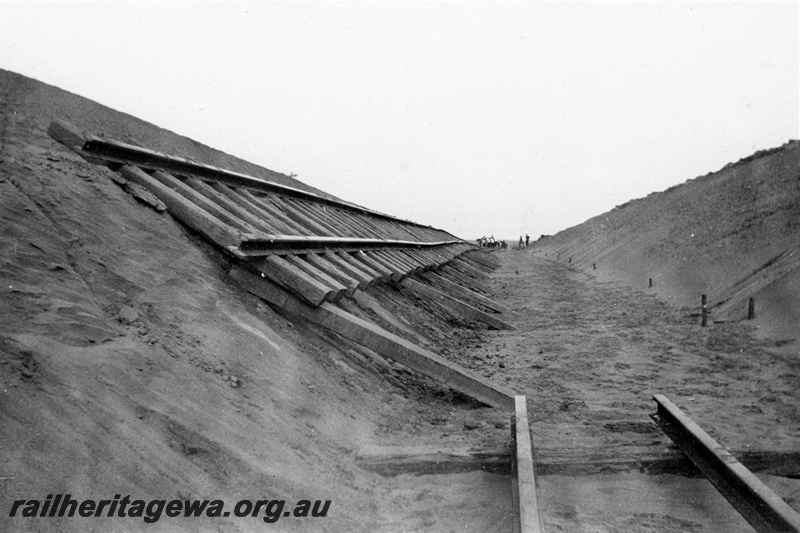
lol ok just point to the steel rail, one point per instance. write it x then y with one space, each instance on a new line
126 154
263 245
524 489
756 502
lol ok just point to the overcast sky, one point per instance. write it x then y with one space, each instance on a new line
478 118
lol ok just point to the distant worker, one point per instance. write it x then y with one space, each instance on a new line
521 242
527 240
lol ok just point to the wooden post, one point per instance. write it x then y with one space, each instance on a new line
751 309
651 282
594 266
704 310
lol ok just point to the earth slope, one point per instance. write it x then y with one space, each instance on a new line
130 364
732 234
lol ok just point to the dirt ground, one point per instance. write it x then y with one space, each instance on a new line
588 351
590 354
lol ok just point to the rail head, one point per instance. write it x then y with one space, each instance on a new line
256 245
756 502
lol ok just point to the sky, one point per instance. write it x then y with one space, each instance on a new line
478 118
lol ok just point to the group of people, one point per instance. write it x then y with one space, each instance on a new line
490 242
483 242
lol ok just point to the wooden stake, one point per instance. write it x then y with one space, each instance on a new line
751 309
704 310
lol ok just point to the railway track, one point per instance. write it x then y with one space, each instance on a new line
303 252
757 503
764 510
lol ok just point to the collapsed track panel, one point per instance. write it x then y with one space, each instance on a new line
300 251
316 247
